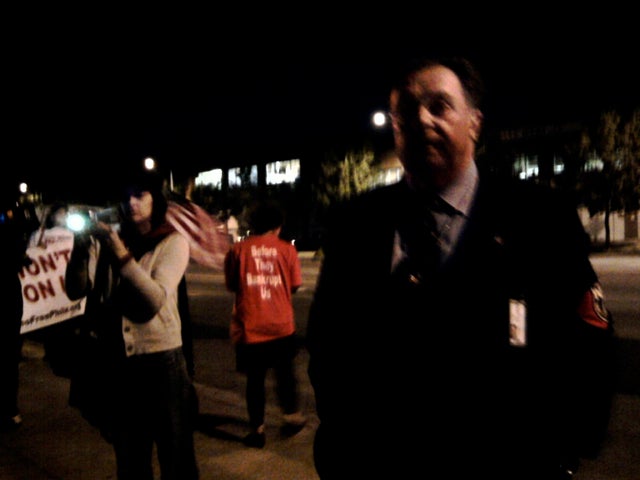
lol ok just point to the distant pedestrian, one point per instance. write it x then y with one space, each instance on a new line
54 224
15 230
232 227
57 339
264 271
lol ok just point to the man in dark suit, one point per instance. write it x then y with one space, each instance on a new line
457 324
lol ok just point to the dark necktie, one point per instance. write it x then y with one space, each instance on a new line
419 241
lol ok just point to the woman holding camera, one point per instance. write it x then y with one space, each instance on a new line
131 279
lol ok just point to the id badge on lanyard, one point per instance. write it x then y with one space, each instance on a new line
517 323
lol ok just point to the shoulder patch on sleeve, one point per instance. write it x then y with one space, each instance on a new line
592 309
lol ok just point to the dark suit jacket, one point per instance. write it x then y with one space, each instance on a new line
406 374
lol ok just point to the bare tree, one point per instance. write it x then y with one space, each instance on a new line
616 187
607 144
630 163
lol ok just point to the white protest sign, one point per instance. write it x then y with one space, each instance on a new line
43 289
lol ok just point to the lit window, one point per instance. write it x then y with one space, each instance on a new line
285 171
243 176
525 167
593 163
558 166
210 178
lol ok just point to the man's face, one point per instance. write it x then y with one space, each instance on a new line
434 127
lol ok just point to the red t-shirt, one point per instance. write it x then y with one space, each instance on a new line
263 271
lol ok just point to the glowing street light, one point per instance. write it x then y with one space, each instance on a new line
379 119
150 164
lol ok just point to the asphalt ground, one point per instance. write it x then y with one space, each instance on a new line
55 442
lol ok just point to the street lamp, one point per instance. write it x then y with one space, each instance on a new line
379 119
150 164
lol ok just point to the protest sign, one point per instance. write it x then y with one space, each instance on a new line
43 289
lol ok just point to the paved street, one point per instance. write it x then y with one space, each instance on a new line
56 443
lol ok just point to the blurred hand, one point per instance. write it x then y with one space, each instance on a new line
107 234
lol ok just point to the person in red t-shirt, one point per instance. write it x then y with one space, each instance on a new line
264 271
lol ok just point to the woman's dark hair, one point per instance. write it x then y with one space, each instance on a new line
135 184
50 220
146 181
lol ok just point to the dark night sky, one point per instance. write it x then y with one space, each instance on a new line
83 102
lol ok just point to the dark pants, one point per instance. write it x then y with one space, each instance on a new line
10 349
154 405
255 360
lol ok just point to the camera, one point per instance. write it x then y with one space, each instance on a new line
86 219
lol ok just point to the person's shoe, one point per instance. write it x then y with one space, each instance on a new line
293 423
10 423
255 440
